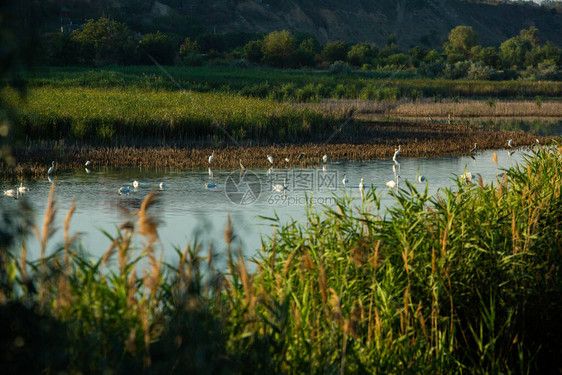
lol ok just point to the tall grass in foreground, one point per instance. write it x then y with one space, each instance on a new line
132 114
466 281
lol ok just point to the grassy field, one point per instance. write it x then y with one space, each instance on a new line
291 85
468 281
130 115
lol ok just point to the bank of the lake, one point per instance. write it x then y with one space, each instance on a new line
354 141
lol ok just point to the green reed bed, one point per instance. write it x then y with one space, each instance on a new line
468 281
133 114
292 85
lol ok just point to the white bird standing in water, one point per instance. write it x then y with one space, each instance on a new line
135 184
52 169
362 184
325 158
280 188
391 184
210 172
345 180
23 189
270 158
510 143
396 153
211 157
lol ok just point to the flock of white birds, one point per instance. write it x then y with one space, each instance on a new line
126 189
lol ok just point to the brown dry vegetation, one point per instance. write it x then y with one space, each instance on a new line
457 109
357 141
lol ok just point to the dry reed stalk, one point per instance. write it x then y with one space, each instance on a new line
289 262
351 326
405 259
374 260
48 223
495 158
378 328
132 289
130 343
68 241
127 229
335 303
419 315
148 224
322 281
246 282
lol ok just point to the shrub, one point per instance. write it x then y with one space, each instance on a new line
479 71
340 67
334 51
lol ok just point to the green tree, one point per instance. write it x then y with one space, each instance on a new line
104 41
279 49
334 51
253 51
398 60
362 53
461 40
518 51
550 52
189 46
433 56
490 57
159 46
308 48
512 52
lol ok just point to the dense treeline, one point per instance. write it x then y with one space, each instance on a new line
104 41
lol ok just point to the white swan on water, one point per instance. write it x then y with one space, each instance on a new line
280 188
11 193
211 157
135 184
391 184
23 189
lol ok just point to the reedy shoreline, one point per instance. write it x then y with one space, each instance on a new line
355 142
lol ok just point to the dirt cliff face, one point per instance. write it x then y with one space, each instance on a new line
415 22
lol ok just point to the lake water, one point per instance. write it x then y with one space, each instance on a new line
188 210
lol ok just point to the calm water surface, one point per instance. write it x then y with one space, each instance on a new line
190 211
